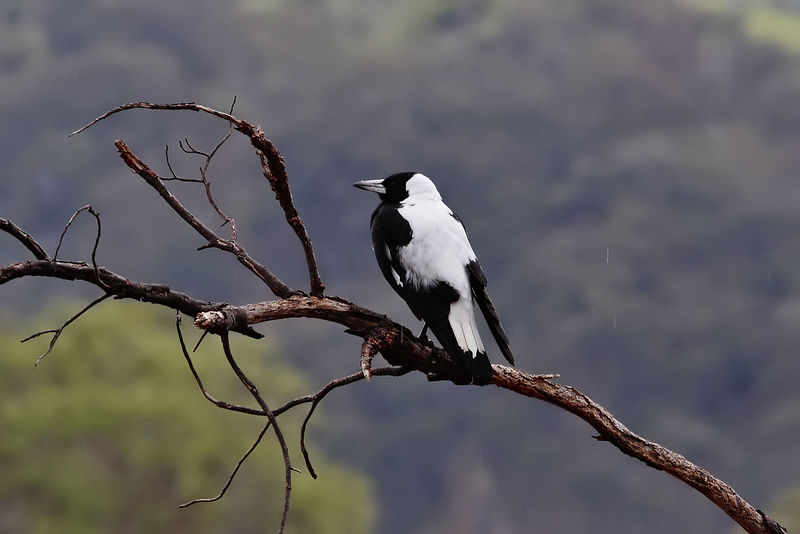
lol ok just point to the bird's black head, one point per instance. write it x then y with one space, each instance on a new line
391 189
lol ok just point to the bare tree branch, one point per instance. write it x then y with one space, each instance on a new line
315 399
192 106
275 172
652 454
153 180
24 238
207 184
117 285
330 386
222 404
272 165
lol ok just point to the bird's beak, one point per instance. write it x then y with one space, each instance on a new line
376 186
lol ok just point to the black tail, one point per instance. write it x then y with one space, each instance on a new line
479 368
476 370
478 282
432 305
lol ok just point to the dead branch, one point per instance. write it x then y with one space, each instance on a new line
314 399
221 404
213 240
204 175
272 165
24 238
330 386
403 350
652 454
116 285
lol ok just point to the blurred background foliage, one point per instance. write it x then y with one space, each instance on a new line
112 433
628 175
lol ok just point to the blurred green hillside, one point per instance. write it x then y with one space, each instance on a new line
627 172
110 434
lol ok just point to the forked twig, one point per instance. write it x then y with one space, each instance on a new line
330 386
96 215
175 177
222 404
204 176
57 331
314 399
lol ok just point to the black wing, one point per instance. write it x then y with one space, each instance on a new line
390 231
478 282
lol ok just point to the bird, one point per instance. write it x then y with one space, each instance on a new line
423 252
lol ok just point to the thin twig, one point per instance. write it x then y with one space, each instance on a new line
57 332
330 386
207 184
202 337
191 149
233 473
204 177
25 238
174 176
193 106
349 379
273 421
96 215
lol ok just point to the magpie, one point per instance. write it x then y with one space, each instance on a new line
423 251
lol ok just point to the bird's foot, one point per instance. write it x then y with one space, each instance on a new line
423 336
